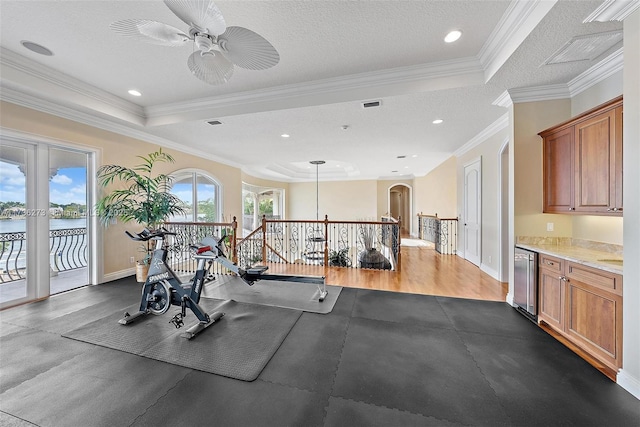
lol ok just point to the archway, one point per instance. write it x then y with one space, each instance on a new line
400 205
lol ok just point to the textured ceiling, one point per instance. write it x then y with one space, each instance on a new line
334 55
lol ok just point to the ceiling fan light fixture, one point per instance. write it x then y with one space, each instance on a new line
203 42
210 68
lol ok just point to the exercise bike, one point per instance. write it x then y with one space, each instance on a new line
163 288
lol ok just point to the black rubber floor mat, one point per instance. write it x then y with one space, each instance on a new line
237 346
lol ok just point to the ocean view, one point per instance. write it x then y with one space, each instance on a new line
17 225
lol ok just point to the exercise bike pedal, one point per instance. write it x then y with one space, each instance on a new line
201 326
177 320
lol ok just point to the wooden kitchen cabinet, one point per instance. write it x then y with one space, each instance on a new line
593 309
582 163
584 305
551 291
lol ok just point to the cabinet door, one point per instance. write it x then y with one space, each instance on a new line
558 168
551 304
595 164
594 320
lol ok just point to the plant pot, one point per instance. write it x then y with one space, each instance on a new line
141 272
371 258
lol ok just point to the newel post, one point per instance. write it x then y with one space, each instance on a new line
399 241
264 238
234 241
326 240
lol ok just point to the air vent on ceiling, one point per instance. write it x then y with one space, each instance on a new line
214 122
585 48
371 104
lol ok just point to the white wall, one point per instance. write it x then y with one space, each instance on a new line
340 200
629 377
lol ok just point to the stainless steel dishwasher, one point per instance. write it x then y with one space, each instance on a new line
525 293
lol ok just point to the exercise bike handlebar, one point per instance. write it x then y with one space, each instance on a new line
147 234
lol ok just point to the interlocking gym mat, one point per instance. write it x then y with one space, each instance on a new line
238 346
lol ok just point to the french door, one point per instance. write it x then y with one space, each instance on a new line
46 230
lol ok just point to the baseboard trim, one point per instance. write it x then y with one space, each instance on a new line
110 277
490 271
629 383
509 299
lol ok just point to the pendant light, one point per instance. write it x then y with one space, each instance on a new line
317 163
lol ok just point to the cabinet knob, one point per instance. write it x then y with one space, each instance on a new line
549 263
572 209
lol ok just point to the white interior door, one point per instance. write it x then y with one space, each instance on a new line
472 215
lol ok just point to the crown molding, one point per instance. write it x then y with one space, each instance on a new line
613 10
539 93
594 75
599 72
504 100
81 92
90 119
459 71
489 131
520 18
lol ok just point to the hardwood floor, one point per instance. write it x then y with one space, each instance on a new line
423 271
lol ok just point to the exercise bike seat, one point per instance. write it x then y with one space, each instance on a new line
257 270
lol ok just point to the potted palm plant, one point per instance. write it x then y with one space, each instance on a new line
144 197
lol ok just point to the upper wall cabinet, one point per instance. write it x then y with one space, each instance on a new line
582 163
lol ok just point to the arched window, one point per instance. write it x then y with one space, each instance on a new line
201 194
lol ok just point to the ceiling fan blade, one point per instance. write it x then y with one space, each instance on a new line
247 49
202 15
150 32
210 67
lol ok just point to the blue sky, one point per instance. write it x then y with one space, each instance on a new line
67 186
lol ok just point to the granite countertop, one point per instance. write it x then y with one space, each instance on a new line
607 261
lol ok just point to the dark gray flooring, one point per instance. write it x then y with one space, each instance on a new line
378 359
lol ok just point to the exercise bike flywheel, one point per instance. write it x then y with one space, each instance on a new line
159 298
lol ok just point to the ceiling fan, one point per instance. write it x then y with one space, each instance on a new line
218 47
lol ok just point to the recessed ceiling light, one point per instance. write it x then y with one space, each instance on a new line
134 92
415 155
437 121
35 47
285 135
453 36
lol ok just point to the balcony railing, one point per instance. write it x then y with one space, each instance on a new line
67 251
180 257
321 242
443 232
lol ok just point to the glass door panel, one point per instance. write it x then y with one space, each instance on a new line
68 226
13 225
